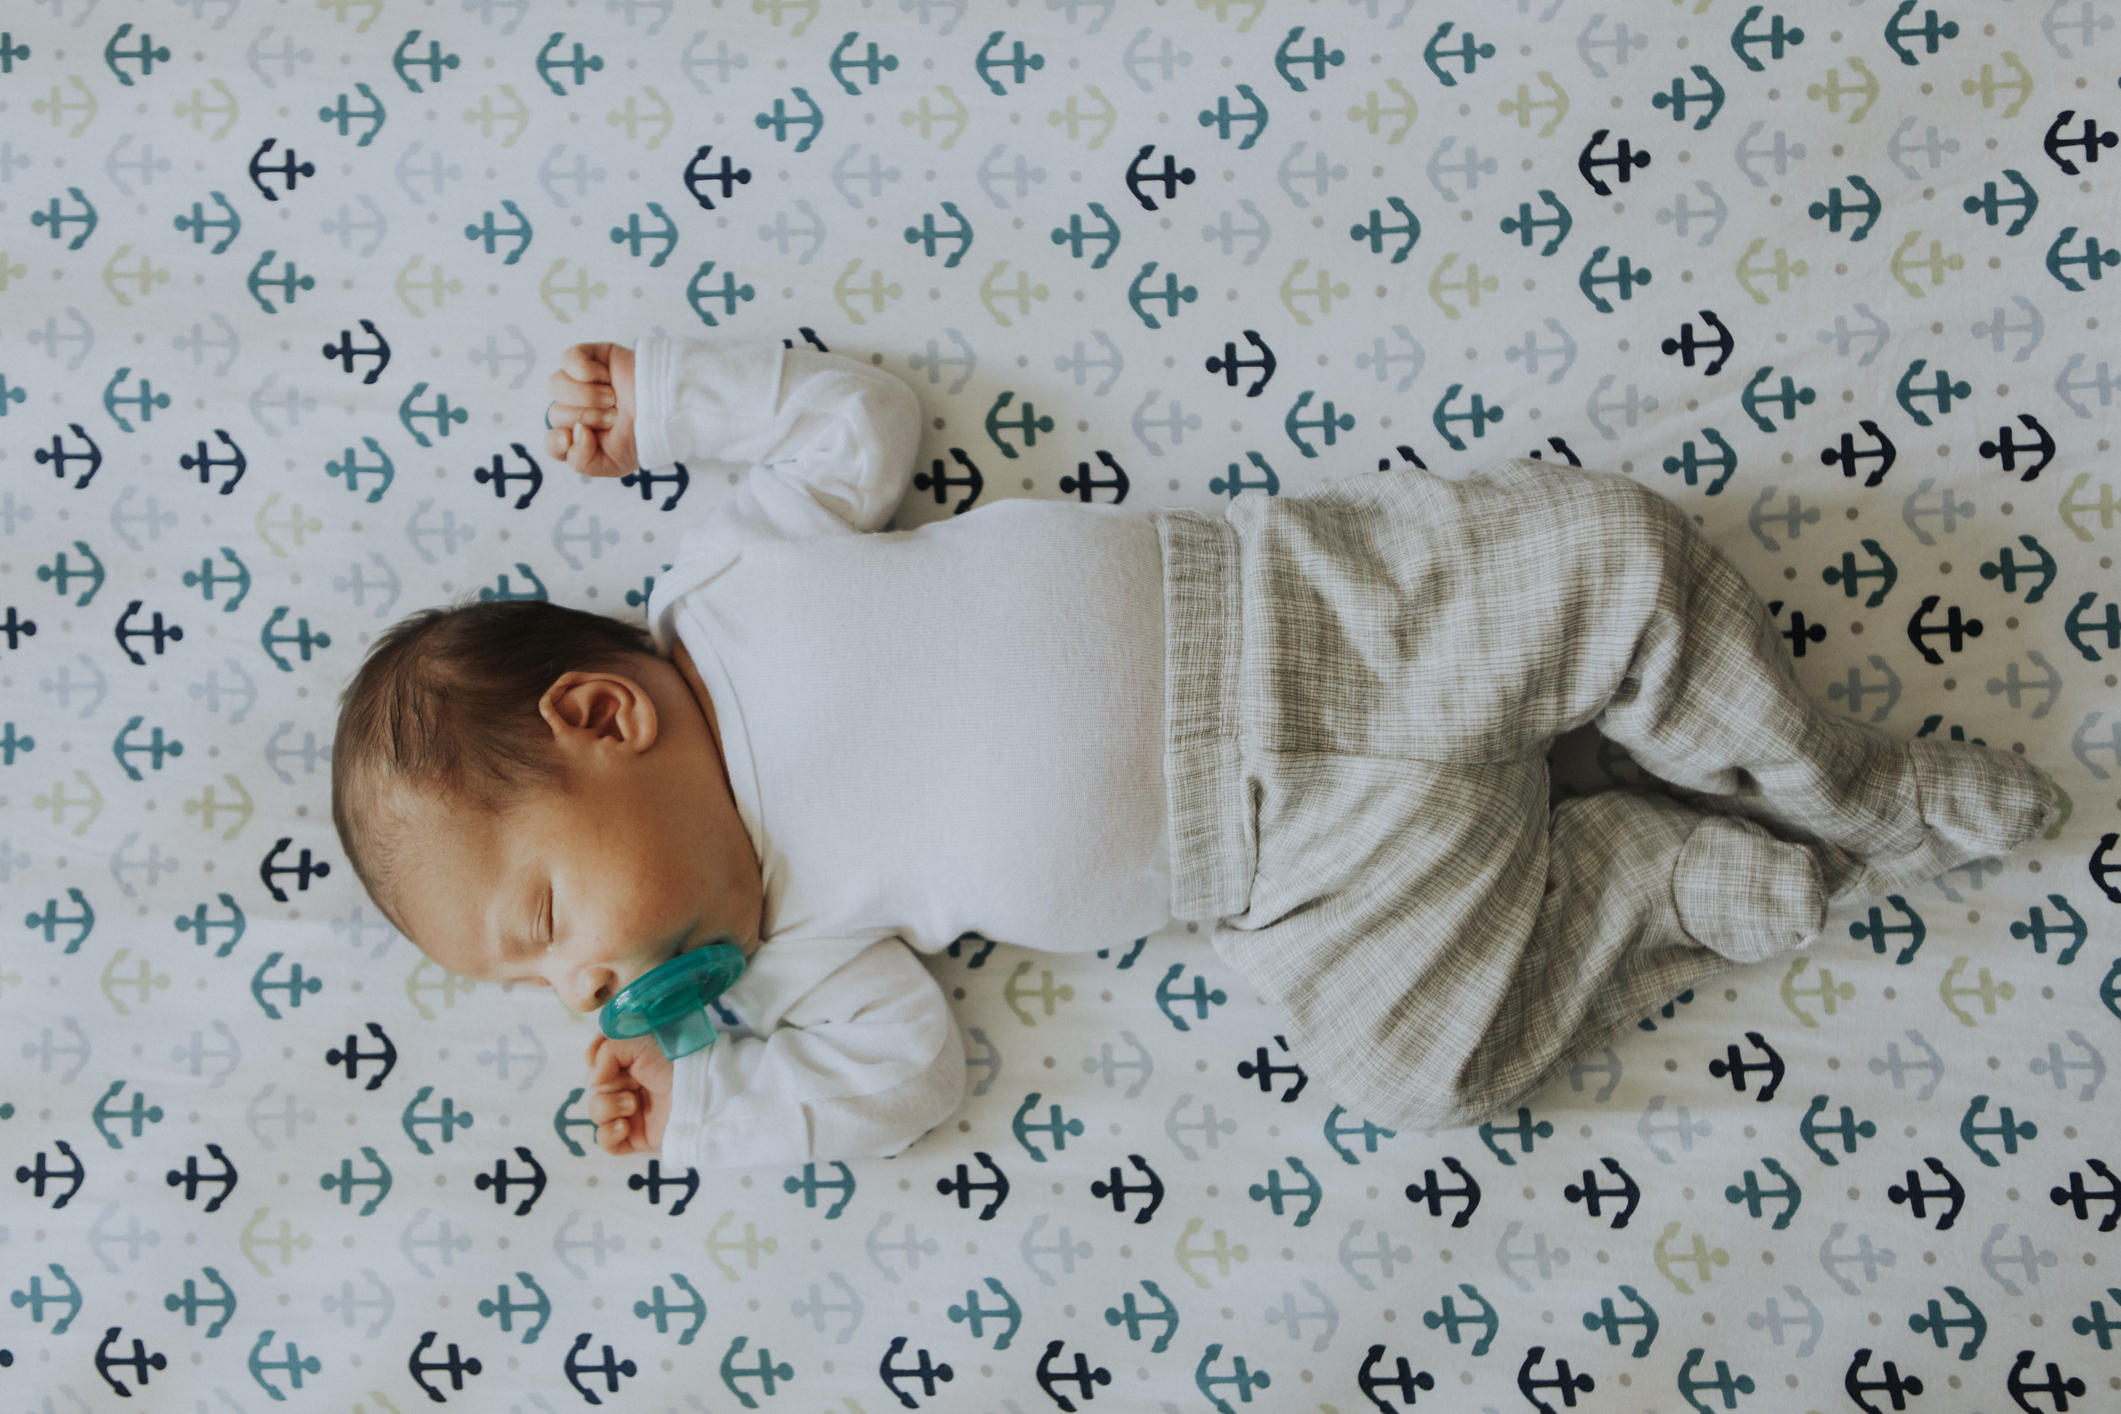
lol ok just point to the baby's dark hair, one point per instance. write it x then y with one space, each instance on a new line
446 703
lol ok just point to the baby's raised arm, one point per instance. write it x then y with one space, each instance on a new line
593 409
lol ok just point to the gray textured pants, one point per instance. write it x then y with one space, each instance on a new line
1362 683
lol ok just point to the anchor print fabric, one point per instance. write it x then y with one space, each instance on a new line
279 289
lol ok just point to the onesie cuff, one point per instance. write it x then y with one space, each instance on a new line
653 401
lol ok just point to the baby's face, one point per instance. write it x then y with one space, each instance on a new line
582 886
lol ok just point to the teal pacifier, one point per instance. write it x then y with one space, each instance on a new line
671 1000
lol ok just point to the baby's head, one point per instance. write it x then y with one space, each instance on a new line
528 793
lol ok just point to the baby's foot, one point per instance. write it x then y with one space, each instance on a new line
1749 895
1976 801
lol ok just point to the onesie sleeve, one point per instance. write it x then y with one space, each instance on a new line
834 437
858 1062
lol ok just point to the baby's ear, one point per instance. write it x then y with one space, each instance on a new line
584 710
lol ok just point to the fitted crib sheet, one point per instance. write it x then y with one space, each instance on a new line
279 288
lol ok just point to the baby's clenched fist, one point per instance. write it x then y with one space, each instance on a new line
629 1084
592 410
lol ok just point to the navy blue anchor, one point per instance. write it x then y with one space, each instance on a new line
963 1187
58 457
611 1368
1403 1382
1569 1385
1896 1388
204 463
289 169
2055 1387
729 177
1115 1187
499 478
17 629
1432 1192
190 1179
351 1056
1686 344
1916 1197
2077 1196
40 1175
937 480
1172 177
1589 1193
1737 1069
161 635
1083 1376
455 1366
2090 141
925 1372
2076 627
1082 483
1918 632
653 1183
2009 450
646 481
140 1361
1625 158
344 353
1229 364
303 870
500 1181
1847 455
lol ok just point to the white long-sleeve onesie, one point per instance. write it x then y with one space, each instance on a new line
952 729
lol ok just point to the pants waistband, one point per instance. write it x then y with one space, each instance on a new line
1214 850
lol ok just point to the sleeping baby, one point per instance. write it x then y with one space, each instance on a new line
1316 722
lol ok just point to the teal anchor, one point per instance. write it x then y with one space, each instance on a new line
1677 99
1850 578
204 579
1028 424
302 638
1054 1127
594 64
2006 1128
342 115
1525 227
1319 58
1246 1381
1753 1195
631 235
1991 205
139 1115
2092 259
60 574
1018 62
1627 278
351 469
1449 1319
1326 422
1172 294
1775 38
765 1371
1220 117
503 591
146 400
1075 235
780 120
434 63
1692 464
10 744
191 1302
10 52
1875 928
1723 1384
198 225
1610 1321
926 235
344 1183
660 1312
1930 32
56 221
887 63
200 926
1126 1314
288 282
810 1184
487 233
1944 391
296 985
449 1120
50 921
507 1308
1375 230
2039 930
1832 211
146 54
1480 414
293 1367
1467 52
1273 1194
155 748
1524 1131
1201 996
37 1300
1790 396
442 413
1848 1130
697 294
1938 1328
1235 483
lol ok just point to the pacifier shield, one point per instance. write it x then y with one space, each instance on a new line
670 1001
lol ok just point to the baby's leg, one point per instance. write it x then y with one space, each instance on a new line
1706 699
